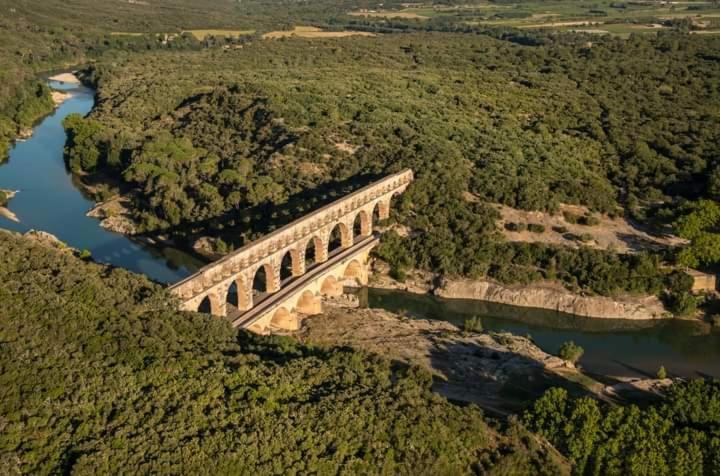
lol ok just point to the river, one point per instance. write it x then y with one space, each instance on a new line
49 200
613 347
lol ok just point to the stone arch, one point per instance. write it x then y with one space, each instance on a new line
383 209
354 271
287 266
319 251
284 319
267 280
331 287
211 305
308 304
240 298
362 224
344 240
205 305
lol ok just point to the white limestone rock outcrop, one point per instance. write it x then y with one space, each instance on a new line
554 298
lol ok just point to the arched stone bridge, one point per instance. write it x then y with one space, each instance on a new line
291 278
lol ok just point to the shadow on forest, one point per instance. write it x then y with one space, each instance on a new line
240 227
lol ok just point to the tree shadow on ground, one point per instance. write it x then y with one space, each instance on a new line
500 381
639 243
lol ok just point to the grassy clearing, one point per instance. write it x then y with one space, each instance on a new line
202 34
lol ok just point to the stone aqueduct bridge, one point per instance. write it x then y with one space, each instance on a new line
284 302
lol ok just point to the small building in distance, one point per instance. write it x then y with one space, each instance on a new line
702 281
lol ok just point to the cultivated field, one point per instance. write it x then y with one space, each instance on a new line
312 32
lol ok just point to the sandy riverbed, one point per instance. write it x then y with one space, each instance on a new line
65 78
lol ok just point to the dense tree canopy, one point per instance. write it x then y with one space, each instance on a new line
679 435
101 375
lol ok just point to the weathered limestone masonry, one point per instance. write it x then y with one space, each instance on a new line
210 287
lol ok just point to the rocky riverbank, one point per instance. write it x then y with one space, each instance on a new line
5 197
114 215
547 295
498 371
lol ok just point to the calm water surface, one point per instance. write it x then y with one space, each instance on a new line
615 347
49 201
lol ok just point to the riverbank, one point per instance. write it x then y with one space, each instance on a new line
66 77
546 295
58 97
499 371
5 197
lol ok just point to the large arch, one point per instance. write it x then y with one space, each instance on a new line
362 224
354 271
315 252
265 280
237 294
330 287
339 238
211 305
205 306
287 266
308 304
383 209
284 319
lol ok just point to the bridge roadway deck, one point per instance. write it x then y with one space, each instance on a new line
292 285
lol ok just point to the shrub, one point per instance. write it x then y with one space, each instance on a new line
681 304
560 229
715 320
570 352
3 198
536 227
570 217
516 227
662 373
679 282
473 324
589 220
398 274
585 237
85 254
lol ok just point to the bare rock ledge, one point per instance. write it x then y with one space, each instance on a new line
554 298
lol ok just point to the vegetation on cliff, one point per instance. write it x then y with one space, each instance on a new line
100 375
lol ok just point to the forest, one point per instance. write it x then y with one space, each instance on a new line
100 374
232 137
677 435
218 141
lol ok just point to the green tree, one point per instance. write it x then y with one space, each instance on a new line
84 148
570 352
